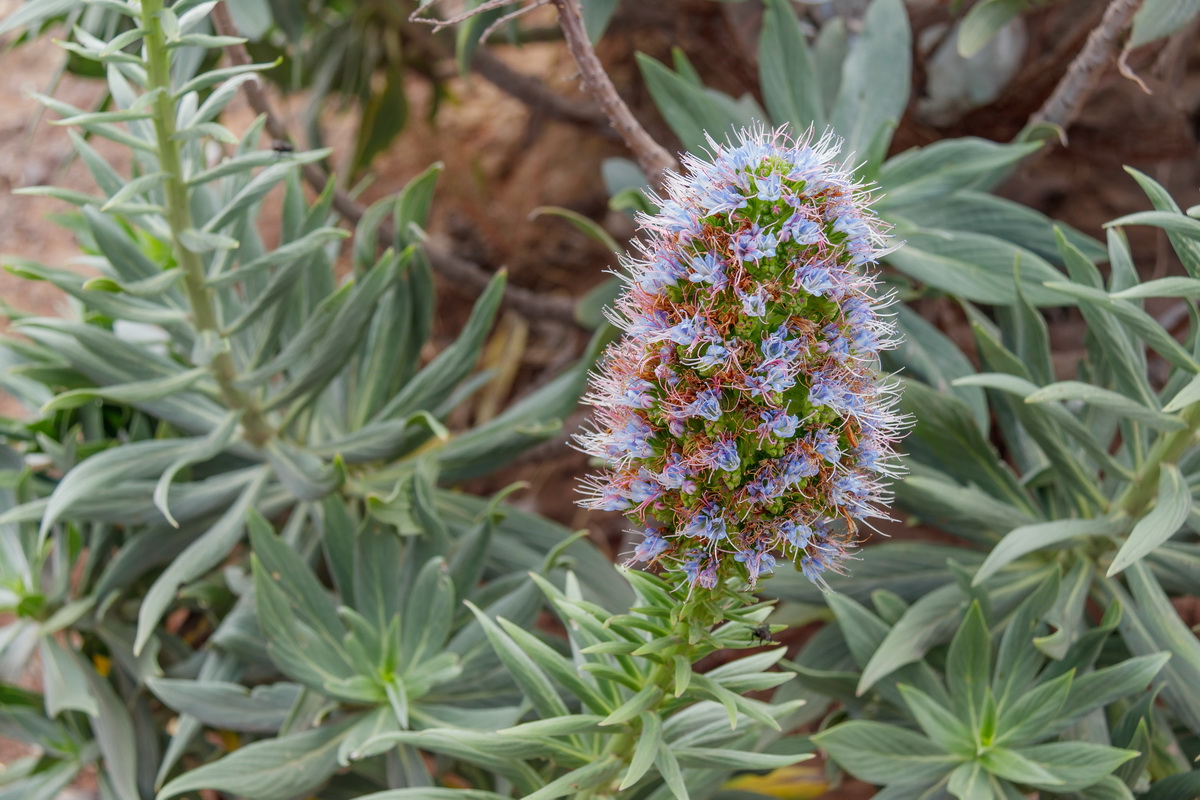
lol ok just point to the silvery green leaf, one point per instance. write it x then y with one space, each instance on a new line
1185 397
1174 502
977 514
127 259
215 76
936 171
690 109
278 289
434 793
976 267
1150 625
34 15
107 468
106 130
204 40
946 437
65 681
1159 18
1066 615
412 205
114 733
933 357
885 754
1163 287
594 775
787 72
1186 248
71 196
338 336
1106 398
437 379
154 389
258 187
431 600
229 706
559 668
381 440
201 242
202 555
1031 538
146 288
525 671
272 769
1135 319
216 101
926 623
310 600
369 727
983 21
968 210
875 81
209 447
649 742
285 255
449 743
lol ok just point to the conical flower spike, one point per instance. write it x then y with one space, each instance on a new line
743 416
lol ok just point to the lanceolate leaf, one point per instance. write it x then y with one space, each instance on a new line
1172 507
201 556
272 769
880 753
1031 538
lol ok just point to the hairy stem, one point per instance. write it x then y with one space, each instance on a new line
179 218
1169 448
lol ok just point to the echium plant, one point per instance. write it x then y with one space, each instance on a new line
743 414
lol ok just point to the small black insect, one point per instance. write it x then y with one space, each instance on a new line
282 148
763 634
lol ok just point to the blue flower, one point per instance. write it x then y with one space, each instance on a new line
797 534
757 561
706 525
701 569
724 455
778 423
707 269
755 305
715 356
816 279
707 405
753 244
651 547
688 332
770 188
826 445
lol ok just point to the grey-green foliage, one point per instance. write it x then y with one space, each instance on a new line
206 377
956 237
1092 505
988 715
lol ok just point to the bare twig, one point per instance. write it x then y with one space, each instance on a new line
444 261
1080 79
507 18
651 156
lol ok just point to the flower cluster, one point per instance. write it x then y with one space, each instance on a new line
743 415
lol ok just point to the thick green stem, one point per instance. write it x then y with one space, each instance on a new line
1169 448
179 217
662 675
